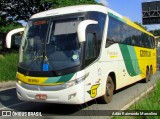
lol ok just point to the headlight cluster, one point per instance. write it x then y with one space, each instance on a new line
74 82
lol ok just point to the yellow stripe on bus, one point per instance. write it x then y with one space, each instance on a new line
136 26
31 80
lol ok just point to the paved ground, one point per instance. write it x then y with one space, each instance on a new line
9 101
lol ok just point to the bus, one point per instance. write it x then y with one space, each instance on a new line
75 54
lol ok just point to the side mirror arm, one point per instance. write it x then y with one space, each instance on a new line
9 36
82 29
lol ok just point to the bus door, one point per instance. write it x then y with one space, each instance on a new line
93 67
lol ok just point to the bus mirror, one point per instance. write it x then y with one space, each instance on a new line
82 29
9 36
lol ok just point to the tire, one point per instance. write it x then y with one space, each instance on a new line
151 72
147 76
107 97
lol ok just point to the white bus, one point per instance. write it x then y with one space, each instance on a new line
74 54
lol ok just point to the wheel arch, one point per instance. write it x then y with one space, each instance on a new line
113 76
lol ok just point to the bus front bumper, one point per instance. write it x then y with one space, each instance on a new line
71 95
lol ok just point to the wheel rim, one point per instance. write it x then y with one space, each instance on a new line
109 88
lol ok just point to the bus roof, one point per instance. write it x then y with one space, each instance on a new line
85 8
71 9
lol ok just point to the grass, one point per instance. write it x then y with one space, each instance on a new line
8 66
150 102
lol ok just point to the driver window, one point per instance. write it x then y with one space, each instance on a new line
90 46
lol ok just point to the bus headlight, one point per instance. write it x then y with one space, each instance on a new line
19 82
70 83
74 82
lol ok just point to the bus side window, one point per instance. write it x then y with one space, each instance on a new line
153 42
90 46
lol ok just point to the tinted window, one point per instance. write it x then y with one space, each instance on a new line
153 42
114 30
97 29
119 32
90 46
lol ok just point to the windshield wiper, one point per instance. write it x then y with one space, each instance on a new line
31 63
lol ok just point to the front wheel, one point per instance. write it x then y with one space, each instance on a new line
107 97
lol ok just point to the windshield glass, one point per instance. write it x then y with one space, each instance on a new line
50 45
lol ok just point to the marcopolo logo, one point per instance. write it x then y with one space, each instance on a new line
145 53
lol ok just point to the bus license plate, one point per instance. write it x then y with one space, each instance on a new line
41 96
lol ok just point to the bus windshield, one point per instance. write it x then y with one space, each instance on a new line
50 45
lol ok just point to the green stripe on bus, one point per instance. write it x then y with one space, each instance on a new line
59 79
116 17
134 59
66 78
128 56
52 80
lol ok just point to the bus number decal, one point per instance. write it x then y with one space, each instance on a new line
33 80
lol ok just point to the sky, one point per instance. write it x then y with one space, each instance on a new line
130 9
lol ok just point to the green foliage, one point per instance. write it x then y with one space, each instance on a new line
8 66
9 26
139 24
63 3
156 32
150 102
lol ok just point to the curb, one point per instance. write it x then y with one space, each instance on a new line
138 98
135 100
8 84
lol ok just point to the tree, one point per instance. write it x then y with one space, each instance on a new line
24 9
155 32
11 11
63 3
9 26
139 24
